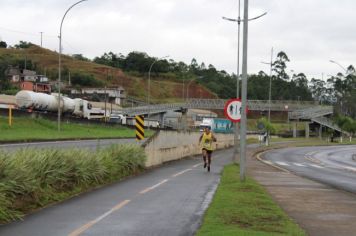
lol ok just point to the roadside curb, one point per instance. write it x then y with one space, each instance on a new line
259 154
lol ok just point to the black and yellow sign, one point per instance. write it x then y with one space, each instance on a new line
140 130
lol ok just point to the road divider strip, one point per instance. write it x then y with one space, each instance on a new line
153 187
93 222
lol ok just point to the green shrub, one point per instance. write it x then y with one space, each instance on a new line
32 178
83 79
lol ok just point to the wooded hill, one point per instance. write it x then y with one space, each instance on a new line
85 73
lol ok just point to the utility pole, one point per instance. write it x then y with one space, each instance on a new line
238 20
236 135
244 95
41 38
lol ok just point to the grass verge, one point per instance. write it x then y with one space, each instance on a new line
27 129
244 209
33 178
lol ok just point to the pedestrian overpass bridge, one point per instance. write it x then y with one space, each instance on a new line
306 111
217 104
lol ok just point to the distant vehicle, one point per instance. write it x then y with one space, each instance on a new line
217 125
44 102
126 120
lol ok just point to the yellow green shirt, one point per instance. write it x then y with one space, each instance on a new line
207 141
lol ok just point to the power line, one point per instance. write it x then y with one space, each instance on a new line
23 32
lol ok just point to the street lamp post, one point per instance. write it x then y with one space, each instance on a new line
346 73
238 20
149 87
332 61
59 63
244 96
188 87
269 91
194 79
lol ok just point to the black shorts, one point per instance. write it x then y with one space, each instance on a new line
208 151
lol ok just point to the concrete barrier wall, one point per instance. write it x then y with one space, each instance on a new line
172 145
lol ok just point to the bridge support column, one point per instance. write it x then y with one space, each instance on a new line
294 129
321 132
307 129
161 120
184 120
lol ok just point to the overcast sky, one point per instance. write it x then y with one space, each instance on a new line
311 32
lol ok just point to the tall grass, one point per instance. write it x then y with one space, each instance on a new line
33 178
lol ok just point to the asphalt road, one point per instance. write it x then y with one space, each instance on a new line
90 144
332 165
169 200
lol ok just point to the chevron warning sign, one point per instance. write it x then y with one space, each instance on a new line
140 130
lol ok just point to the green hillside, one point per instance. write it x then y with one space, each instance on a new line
90 74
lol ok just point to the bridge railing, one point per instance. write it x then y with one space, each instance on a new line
152 109
311 112
218 104
328 123
253 105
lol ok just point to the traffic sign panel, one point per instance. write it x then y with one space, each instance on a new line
232 110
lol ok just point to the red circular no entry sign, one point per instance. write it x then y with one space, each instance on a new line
232 109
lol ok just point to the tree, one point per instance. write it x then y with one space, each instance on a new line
346 123
80 57
23 44
318 90
300 80
279 66
343 90
3 44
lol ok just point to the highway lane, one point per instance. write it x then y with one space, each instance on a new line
332 165
169 200
90 144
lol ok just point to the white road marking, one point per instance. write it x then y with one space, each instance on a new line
93 222
350 168
182 172
298 164
153 187
316 166
198 165
282 163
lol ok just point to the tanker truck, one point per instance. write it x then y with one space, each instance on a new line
45 102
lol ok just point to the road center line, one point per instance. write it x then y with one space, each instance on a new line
182 172
316 166
350 168
153 187
93 222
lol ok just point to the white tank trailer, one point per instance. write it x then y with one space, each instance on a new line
45 102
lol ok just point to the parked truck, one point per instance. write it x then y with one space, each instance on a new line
217 125
44 102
